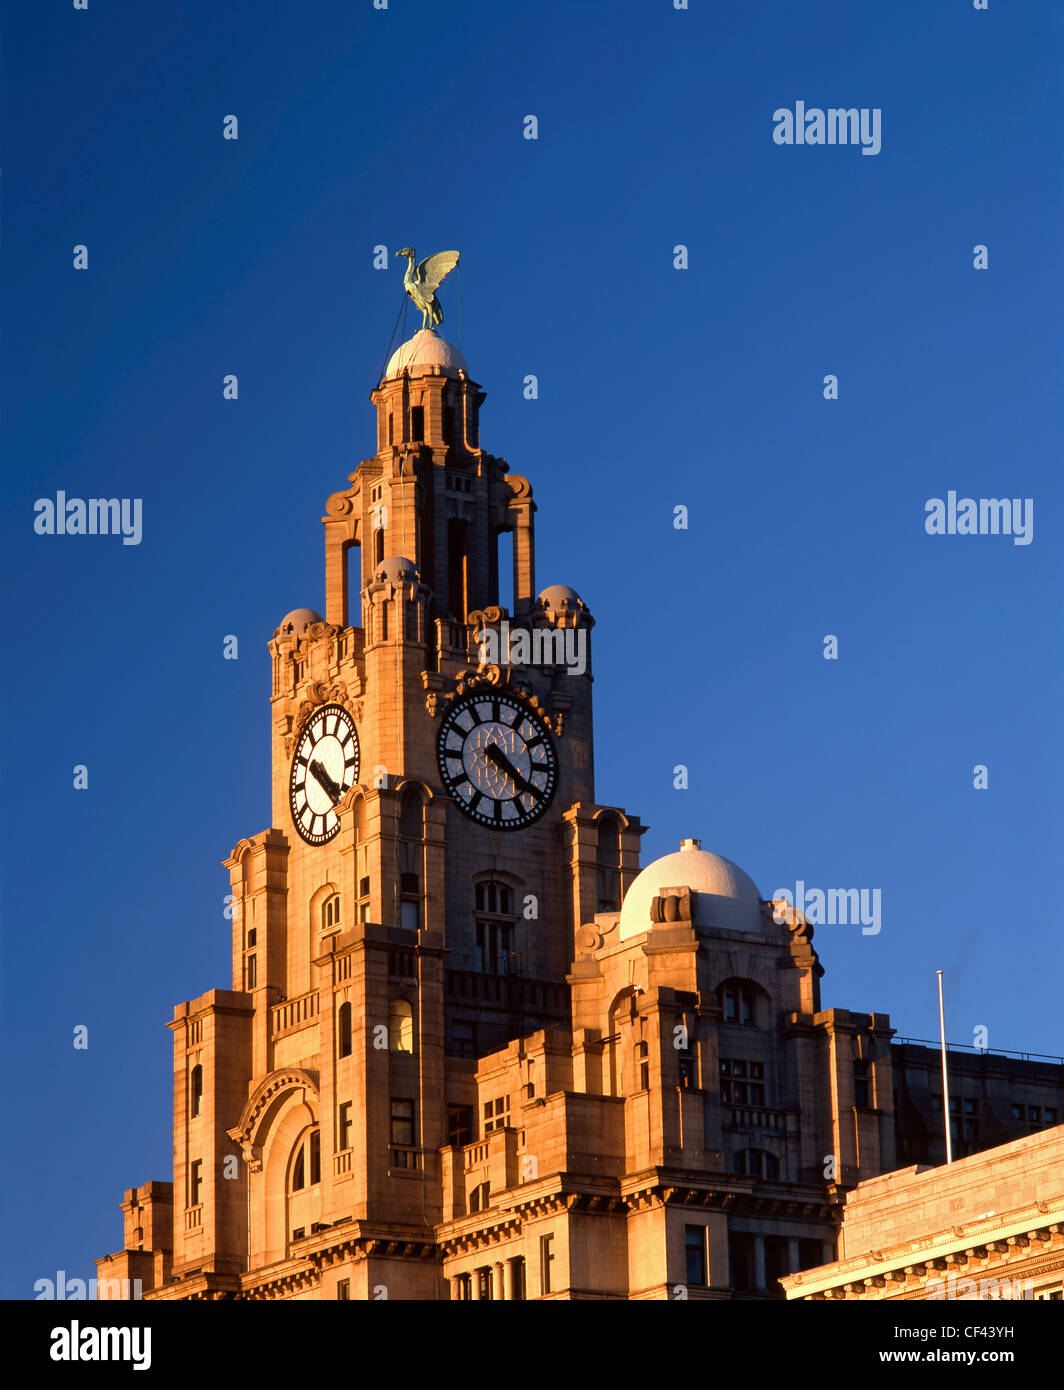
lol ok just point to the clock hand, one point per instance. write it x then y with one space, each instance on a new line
325 781
495 754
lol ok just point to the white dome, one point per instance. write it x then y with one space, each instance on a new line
726 896
296 623
559 598
424 354
394 569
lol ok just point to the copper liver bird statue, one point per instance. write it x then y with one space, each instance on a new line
422 281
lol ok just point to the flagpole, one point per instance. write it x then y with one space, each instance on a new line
945 1073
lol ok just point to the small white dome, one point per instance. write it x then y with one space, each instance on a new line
394 569
294 624
559 598
423 353
726 897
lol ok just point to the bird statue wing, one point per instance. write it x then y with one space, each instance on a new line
433 270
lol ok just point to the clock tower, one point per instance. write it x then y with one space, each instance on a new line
435 845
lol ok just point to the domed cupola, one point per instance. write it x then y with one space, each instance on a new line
721 896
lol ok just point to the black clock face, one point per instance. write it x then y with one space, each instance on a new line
497 760
324 766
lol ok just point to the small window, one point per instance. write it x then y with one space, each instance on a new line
363 887
403 1122
461 1039
484 1285
862 1086
299 1172
695 1254
252 972
315 1158
330 913
459 1125
196 1091
343 1286
343 1131
253 936
417 423
546 1260
343 1031
195 1182
378 545
410 914
643 1065
448 424
391 429
496 1114
479 1197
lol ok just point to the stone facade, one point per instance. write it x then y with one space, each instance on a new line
475 1058
988 1226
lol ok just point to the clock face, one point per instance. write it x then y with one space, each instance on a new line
497 760
325 765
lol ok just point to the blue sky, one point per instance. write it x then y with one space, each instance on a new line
658 388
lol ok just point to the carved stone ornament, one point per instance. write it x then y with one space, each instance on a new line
322 693
474 678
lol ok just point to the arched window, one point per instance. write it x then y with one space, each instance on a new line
756 1163
401 1026
642 1063
743 1002
479 1197
378 545
609 864
411 818
306 1162
343 1031
195 1091
330 913
494 928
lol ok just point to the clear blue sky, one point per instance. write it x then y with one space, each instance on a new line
657 388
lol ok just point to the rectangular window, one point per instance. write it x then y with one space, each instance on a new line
343 1290
493 947
750 1091
252 972
460 1125
694 1240
417 423
343 1132
195 1182
403 1122
517 1276
496 1114
410 914
315 1158
461 1039
484 1283
546 1259
253 936
862 1086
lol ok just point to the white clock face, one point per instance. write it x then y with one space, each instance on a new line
497 760
324 766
